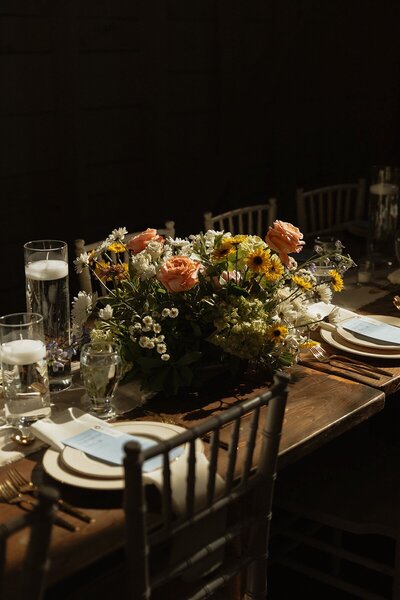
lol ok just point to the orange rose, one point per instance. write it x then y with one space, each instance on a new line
284 238
179 274
139 242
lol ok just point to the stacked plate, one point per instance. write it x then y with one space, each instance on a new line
348 341
74 467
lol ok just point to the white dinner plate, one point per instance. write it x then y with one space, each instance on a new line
345 345
54 465
353 338
82 463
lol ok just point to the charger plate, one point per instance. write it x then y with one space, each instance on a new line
55 465
334 339
364 342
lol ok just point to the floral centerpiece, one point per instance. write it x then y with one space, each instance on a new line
180 305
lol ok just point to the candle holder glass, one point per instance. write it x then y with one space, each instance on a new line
383 211
47 293
24 369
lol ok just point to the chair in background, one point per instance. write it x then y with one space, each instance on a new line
31 579
249 220
341 518
229 508
85 281
332 208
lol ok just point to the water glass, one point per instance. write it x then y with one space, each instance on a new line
100 371
46 277
24 369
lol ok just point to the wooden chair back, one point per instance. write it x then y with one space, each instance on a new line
85 280
248 220
330 208
39 521
244 498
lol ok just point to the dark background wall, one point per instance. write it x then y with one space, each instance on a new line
129 112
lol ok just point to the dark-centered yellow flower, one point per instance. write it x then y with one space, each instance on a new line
276 333
302 282
275 269
116 247
336 281
223 250
259 260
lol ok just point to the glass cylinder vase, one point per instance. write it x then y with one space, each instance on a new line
383 210
47 293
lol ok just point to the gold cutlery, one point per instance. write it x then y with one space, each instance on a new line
10 494
323 356
25 486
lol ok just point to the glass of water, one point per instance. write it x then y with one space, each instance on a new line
101 372
24 369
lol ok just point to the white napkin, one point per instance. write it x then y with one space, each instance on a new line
63 425
319 310
394 276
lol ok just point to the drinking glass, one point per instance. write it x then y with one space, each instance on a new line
24 369
100 371
46 277
323 246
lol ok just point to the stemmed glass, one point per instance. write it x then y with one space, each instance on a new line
101 372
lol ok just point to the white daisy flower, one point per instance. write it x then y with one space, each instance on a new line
120 233
81 262
165 357
324 292
82 307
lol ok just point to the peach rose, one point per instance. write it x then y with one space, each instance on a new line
227 276
139 242
284 238
179 274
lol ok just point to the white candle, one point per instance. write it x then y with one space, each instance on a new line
383 189
23 352
46 270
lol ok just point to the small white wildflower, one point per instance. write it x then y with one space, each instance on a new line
147 328
159 339
150 344
143 340
120 233
161 348
156 328
81 262
147 320
165 357
174 312
106 313
165 312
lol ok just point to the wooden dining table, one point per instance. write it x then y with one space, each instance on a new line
321 406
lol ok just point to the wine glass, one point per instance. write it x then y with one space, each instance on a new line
101 372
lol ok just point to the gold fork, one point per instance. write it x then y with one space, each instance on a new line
28 487
323 356
11 495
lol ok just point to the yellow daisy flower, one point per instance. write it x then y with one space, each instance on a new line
275 269
102 269
337 281
223 250
276 333
308 344
259 260
116 247
237 239
302 282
